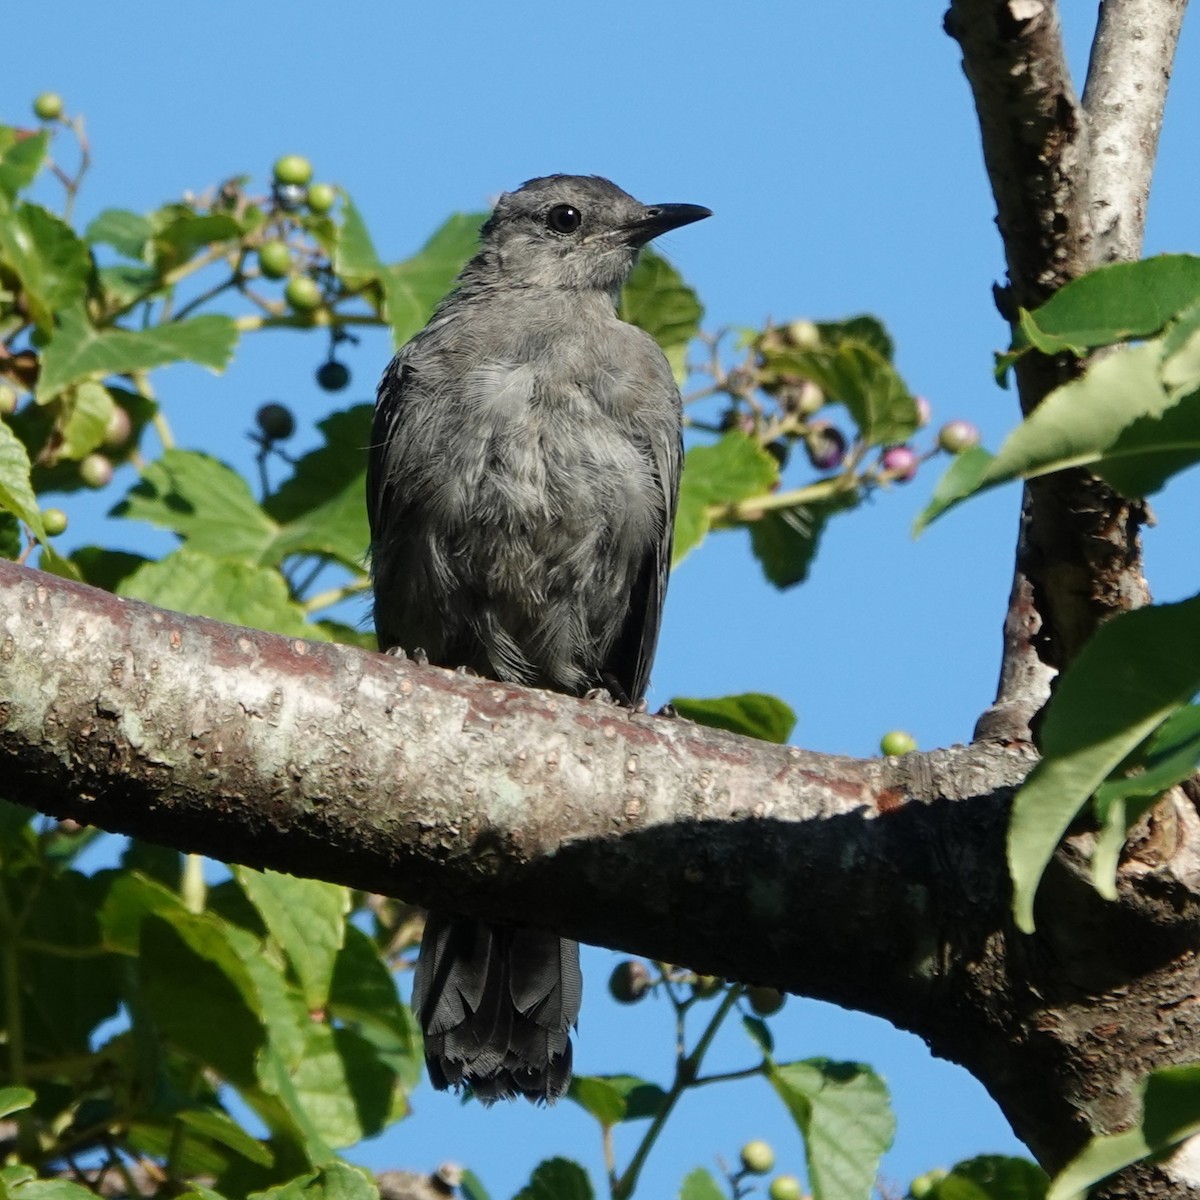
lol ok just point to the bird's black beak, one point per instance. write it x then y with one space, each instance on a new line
659 218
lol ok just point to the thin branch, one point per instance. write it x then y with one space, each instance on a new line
1130 68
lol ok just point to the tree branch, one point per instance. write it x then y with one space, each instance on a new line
1126 91
877 884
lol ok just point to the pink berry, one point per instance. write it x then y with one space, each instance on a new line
900 462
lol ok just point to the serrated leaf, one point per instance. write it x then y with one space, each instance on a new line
16 491
199 994
127 232
46 256
355 259
1170 1115
1133 674
206 503
785 540
190 582
78 350
307 918
992 1177
21 158
1112 304
843 1113
700 1185
612 1099
104 568
656 299
732 469
860 377
868 330
753 714
322 507
179 239
412 288
14 1099
557 1179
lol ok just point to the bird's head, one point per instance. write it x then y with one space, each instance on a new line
578 232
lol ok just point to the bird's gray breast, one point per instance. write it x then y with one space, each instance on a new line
535 494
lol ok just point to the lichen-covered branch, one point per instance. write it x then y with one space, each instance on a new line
877 884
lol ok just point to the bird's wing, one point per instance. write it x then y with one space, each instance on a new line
628 663
388 402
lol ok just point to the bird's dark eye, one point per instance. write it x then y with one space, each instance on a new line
562 218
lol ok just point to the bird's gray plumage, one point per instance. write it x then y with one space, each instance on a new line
521 488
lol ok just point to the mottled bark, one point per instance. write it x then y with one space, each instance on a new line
878 884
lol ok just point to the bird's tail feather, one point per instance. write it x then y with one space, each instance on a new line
496 1005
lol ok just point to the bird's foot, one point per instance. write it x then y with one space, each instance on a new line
418 655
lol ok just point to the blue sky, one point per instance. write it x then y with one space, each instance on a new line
837 146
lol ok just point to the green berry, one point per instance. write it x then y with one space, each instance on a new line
897 742
925 1186
302 294
785 1187
957 436
274 259
332 376
629 981
96 471
48 106
292 168
275 421
766 1001
706 985
758 1157
54 521
8 400
321 197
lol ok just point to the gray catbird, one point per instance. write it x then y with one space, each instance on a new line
521 486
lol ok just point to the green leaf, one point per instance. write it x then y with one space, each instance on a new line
105 568
307 918
785 540
656 299
78 350
1170 1115
127 232
14 1099
21 159
89 410
341 1083
218 1127
355 259
1123 685
959 481
178 240
1111 304
842 1110
199 995
752 713
700 1185
10 533
50 1189
412 288
471 1186
612 1099
130 899
46 256
205 502
733 469
323 507
992 1177
16 491
190 582
861 378
557 1179
1168 757
760 1034
867 330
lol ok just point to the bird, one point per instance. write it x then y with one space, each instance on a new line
522 480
